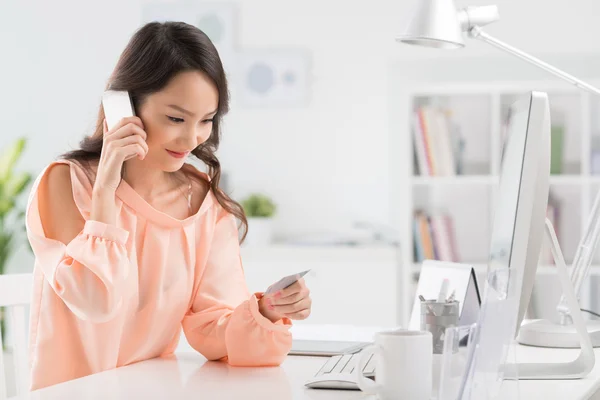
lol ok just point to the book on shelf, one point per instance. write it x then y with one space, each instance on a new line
557 137
434 237
437 143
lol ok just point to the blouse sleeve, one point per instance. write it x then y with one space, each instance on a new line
224 321
89 273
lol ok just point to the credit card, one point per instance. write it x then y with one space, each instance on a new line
285 282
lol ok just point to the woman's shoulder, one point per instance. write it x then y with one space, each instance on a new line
64 175
63 170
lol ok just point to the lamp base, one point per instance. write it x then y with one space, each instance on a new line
544 333
540 332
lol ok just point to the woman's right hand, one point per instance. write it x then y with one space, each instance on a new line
127 139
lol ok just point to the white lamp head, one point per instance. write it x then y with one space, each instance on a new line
437 23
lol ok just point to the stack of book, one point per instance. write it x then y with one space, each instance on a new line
438 145
434 237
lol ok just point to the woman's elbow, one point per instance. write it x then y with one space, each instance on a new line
256 360
87 295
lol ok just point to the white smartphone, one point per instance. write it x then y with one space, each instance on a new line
117 105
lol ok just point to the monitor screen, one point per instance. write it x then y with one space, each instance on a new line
510 184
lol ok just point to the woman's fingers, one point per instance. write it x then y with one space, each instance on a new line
303 304
133 150
292 298
122 142
126 130
121 150
294 288
303 314
293 302
124 122
132 139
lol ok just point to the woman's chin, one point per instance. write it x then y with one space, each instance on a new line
172 165
169 164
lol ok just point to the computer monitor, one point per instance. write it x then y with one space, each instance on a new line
520 208
518 230
516 239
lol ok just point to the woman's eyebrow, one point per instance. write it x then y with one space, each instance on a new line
183 110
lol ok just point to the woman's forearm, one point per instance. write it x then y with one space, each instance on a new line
104 208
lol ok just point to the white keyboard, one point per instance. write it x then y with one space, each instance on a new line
338 373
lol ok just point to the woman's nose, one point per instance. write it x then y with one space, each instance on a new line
202 135
191 139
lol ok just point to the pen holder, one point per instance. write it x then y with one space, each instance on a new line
436 317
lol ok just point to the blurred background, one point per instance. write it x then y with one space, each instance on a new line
319 144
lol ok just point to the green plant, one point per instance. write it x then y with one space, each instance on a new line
12 186
258 206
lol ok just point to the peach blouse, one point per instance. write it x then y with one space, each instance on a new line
120 294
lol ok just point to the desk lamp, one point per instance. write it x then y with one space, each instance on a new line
438 24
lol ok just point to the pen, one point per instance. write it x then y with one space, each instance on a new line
451 298
443 291
428 306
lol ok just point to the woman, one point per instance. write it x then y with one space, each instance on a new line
132 243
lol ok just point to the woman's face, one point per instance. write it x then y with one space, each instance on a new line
178 119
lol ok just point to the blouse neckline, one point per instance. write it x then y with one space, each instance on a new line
133 199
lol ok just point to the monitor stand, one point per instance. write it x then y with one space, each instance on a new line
543 333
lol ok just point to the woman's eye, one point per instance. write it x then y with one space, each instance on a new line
207 121
175 119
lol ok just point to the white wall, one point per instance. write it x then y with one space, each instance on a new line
326 164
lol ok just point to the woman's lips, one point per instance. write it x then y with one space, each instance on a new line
178 154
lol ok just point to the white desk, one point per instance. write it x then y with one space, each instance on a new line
188 376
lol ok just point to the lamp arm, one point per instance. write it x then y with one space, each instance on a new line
583 259
477 33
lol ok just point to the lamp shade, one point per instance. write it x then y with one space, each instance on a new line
434 24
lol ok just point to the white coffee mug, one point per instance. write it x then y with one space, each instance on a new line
402 366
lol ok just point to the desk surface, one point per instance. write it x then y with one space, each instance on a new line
188 375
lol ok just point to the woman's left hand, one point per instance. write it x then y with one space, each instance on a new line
293 302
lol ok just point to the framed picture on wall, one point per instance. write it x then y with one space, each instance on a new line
273 78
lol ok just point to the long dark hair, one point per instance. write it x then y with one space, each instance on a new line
155 54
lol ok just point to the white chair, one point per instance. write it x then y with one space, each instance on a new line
15 294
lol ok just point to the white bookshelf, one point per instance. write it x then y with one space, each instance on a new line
478 110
